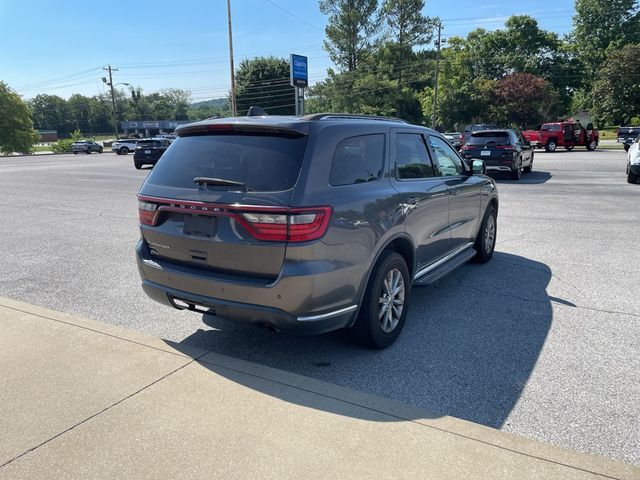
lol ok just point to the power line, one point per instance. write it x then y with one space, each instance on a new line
294 15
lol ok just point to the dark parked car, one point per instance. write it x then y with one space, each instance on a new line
469 129
502 150
454 139
86 146
627 135
310 224
149 151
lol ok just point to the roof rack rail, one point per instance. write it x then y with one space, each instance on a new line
323 116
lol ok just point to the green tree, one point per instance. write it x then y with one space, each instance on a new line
50 112
601 24
264 82
352 28
16 128
617 88
79 108
407 28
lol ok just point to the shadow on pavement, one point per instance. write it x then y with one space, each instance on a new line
468 348
533 178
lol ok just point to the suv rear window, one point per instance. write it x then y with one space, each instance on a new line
549 127
264 163
357 160
482 138
149 143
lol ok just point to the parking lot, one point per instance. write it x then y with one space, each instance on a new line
542 341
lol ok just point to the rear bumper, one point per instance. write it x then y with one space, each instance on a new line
288 303
501 168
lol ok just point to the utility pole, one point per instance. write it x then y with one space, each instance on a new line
233 77
113 98
435 81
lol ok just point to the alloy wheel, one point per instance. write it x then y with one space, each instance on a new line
391 301
489 234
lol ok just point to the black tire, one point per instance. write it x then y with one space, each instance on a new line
626 147
517 173
368 328
592 145
89 151
486 241
138 167
568 148
100 150
529 168
124 151
75 152
631 177
551 145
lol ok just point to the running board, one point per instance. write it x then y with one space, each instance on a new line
439 270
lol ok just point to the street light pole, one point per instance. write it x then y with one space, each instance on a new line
435 81
234 111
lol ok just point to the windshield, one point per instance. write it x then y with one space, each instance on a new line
261 162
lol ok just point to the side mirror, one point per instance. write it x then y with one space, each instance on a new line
478 167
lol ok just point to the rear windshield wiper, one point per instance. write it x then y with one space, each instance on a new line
220 182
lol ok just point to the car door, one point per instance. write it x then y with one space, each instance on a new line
525 147
464 191
423 196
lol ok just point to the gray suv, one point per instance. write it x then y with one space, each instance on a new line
312 223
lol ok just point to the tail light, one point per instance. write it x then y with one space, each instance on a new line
147 212
506 148
263 223
294 225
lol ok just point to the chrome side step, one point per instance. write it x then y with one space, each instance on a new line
439 269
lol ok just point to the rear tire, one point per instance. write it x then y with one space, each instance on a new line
551 145
592 145
626 147
631 177
89 152
486 240
75 152
124 151
384 307
100 150
138 167
517 173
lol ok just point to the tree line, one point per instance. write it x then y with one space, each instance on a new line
517 75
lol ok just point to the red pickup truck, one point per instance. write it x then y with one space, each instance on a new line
550 136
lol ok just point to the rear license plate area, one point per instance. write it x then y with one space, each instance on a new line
485 153
147 152
199 225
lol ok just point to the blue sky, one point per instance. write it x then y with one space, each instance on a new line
59 47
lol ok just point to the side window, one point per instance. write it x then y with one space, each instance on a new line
449 162
412 158
357 160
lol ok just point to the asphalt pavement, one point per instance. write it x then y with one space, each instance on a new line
542 341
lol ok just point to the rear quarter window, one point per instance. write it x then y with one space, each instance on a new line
357 160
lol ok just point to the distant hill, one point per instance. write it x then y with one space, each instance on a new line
214 102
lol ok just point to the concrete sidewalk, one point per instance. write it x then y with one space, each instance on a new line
81 399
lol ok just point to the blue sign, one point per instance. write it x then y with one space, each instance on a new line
299 71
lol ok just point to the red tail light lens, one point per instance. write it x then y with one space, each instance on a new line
296 225
147 212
